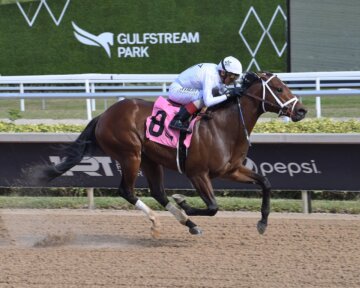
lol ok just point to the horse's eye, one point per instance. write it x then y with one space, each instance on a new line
279 89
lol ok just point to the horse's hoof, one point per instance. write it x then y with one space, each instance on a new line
155 227
178 198
261 227
155 232
195 231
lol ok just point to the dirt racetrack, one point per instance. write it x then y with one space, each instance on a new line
81 248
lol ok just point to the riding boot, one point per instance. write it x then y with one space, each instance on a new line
180 120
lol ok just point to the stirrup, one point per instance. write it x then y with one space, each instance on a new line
178 125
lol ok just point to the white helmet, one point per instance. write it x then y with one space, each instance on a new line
230 64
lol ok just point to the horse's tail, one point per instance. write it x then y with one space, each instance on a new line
83 145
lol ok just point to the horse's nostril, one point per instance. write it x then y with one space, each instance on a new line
299 114
302 111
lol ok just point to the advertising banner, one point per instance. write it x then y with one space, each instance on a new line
287 166
139 37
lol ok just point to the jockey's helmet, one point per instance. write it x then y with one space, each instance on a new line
230 64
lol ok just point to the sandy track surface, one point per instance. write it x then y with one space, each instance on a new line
108 248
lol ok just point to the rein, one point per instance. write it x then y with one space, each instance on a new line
242 120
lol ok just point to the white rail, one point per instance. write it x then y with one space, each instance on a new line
91 86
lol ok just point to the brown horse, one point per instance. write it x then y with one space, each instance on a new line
218 148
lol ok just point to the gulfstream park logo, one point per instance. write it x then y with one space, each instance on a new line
133 45
104 40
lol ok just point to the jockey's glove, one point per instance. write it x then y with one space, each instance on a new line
234 92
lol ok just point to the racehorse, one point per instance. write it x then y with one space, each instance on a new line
218 148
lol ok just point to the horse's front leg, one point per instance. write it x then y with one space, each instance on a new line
246 175
203 186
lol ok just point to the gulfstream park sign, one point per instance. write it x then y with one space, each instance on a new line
77 37
128 44
133 45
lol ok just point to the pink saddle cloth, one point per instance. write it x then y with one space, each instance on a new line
157 125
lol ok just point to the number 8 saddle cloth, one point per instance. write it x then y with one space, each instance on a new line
157 125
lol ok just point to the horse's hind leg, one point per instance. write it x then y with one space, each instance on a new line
155 176
130 165
203 186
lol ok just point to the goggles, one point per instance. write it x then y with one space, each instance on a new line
233 76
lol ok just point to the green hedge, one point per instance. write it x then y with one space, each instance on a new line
324 125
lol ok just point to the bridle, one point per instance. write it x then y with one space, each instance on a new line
283 107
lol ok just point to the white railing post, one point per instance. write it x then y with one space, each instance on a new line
93 101
88 100
121 98
22 101
318 99
90 196
306 198
164 87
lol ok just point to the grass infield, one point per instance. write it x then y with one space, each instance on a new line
225 204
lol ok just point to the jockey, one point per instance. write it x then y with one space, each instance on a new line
202 85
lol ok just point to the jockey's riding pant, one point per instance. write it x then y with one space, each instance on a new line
183 96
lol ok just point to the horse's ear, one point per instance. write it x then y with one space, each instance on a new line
248 79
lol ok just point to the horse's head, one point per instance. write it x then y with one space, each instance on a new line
275 95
